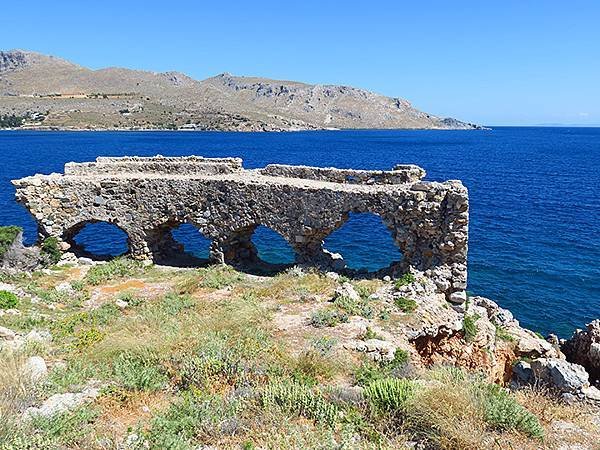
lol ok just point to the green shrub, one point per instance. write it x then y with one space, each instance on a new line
51 250
117 268
369 334
86 338
470 326
328 318
503 412
7 237
354 307
324 344
8 300
138 371
301 400
188 418
401 358
389 395
173 304
211 366
312 367
370 371
65 430
130 298
219 277
405 304
504 335
362 290
405 280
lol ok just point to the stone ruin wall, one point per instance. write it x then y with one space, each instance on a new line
149 197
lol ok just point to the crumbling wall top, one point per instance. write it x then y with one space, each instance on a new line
186 165
400 175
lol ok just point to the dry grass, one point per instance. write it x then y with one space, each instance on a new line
122 411
15 390
212 339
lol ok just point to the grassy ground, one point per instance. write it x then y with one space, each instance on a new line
203 357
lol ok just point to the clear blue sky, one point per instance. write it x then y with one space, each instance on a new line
493 62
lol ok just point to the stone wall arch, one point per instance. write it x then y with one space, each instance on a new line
366 242
164 247
97 239
238 248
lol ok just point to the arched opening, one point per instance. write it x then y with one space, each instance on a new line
365 243
193 241
180 245
98 240
272 248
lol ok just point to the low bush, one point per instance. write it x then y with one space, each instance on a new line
51 250
138 371
470 326
503 412
324 344
67 430
219 277
405 280
7 237
190 419
86 338
328 318
407 305
116 268
504 335
359 307
8 300
370 371
369 334
301 400
312 367
389 395
173 304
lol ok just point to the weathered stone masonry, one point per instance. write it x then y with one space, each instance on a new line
148 197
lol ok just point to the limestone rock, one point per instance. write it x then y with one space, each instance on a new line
531 345
584 348
522 373
499 316
60 403
7 334
65 288
41 336
35 368
559 374
347 290
121 304
376 349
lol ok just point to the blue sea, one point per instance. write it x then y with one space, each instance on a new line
535 200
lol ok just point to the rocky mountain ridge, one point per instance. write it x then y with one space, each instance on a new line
58 93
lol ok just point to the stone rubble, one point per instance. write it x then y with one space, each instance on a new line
60 403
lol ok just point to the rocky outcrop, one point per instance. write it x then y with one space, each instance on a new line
20 258
61 403
148 197
584 349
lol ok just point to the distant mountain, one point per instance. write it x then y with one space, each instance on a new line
45 91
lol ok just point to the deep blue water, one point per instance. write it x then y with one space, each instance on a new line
535 199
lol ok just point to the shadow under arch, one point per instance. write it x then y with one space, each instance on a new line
258 249
181 244
366 244
272 247
97 239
